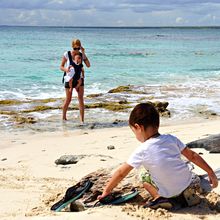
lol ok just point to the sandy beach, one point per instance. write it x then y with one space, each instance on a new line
30 181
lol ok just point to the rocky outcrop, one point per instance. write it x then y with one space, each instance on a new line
99 179
126 89
211 143
121 89
161 108
22 120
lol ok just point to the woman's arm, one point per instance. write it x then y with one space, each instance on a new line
85 58
199 161
86 61
118 175
62 65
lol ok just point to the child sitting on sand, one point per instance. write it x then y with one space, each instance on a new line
160 155
73 77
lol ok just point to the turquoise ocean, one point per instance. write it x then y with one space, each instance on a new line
178 65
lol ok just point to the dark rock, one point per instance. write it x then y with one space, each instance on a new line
67 159
214 151
126 89
3 159
92 126
123 102
211 143
73 159
208 113
110 147
121 89
21 120
117 121
94 95
99 179
77 206
161 105
161 108
166 113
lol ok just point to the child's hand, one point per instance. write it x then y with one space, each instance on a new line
213 180
102 196
70 66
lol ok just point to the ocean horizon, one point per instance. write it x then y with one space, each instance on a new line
138 27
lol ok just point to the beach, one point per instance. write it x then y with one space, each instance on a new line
177 69
31 181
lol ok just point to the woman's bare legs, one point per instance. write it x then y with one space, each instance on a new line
80 92
67 102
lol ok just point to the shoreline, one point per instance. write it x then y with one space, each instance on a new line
73 126
104 109
30 180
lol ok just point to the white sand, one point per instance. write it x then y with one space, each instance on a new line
30 178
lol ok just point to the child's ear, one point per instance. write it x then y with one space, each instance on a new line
137 126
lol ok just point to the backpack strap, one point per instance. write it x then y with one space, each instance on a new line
70 58
71 63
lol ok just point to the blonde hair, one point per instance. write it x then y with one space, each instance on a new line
76 42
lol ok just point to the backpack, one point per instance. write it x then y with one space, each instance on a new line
78 68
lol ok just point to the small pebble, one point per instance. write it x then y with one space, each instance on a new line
110 147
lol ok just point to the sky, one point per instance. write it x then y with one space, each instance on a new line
115 13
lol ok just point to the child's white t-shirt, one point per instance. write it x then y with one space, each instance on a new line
69 75
161 156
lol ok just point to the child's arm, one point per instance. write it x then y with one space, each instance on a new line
79 82
199 161
118 175
71 83
82 73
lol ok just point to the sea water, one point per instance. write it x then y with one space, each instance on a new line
178 65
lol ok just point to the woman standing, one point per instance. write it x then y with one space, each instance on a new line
65 66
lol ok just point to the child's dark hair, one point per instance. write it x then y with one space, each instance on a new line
144 114
77 53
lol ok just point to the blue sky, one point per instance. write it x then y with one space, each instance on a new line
110 12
